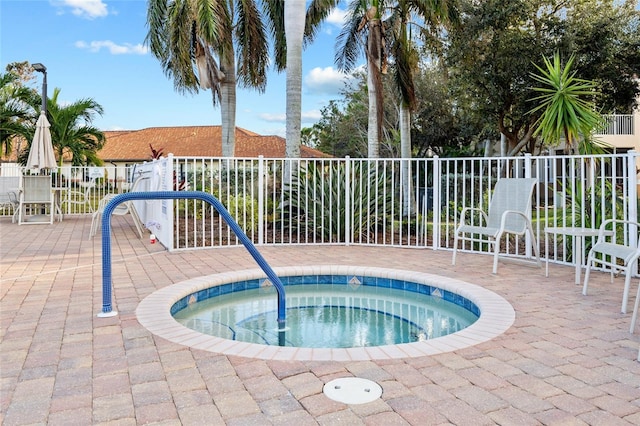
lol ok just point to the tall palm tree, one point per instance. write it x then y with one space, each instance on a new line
294 23
291 27
389 39
354 42
364 28
188 35
428 18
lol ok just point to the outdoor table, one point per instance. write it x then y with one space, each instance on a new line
578 234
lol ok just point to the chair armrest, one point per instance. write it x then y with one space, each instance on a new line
13 197
517 212
506 213
604 232
465 210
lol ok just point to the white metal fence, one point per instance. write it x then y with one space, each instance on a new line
394 202
385 202
76 184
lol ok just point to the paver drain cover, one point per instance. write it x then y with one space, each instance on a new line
352 390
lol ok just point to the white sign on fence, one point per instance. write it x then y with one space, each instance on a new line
96 172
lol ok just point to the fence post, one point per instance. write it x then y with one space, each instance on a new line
527 165
632 196
261 199
347 200
172 183
528 174
437 202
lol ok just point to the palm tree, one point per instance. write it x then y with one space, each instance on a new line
428 17
71 131
294 23
16 112
568 111
187 36
364 27
290 26
386 39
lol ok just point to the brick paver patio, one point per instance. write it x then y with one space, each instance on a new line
568 359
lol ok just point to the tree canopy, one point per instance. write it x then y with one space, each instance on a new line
72 133
493 51
438 126
480 83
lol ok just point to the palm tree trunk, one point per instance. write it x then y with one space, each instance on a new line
228 105
405 155
374 81
294 21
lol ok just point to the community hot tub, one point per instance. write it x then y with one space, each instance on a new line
478 314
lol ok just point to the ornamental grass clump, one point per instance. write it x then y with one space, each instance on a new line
566 104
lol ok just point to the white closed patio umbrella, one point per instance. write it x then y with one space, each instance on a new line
41 155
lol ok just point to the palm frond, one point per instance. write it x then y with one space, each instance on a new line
274 10
317 12
212 21
567 110
253 57
351 42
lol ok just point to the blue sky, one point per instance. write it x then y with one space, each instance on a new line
95 49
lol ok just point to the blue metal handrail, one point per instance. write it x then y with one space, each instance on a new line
171 195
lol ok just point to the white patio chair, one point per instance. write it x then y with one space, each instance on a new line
618 256
15 204
122 209
36 193
8 195
82 198
509 213
634 317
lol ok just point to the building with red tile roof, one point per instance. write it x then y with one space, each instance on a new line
191 141
132 146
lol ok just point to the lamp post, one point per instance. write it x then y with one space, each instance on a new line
41 68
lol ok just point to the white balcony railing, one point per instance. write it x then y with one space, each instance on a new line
617 124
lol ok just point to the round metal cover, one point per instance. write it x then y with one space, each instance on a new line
352 390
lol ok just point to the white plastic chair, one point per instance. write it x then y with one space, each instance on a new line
8 195
509 213
82 198
634 317
36 191
122 209
15 205
618 256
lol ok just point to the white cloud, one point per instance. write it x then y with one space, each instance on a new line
335 20
88 9
274 118
325 80
337 17
113 48
311 116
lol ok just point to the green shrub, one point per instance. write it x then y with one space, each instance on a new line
245 211
316 199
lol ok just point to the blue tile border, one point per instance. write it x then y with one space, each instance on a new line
371 281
